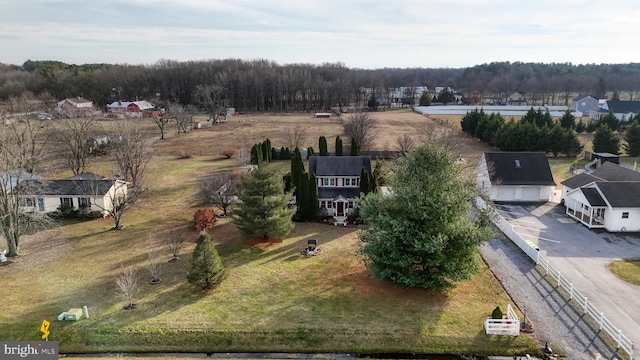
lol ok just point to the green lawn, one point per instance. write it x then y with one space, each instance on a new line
274 300
627 270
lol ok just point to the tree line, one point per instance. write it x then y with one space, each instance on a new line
263 85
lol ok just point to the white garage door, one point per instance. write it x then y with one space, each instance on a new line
531 194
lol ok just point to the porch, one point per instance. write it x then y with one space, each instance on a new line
590 217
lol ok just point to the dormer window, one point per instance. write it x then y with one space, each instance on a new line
517 164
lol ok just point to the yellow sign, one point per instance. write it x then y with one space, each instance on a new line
45 329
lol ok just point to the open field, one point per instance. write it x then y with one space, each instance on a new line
273 301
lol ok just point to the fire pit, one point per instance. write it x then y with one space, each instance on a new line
312 248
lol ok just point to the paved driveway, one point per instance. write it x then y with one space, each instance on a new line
582 255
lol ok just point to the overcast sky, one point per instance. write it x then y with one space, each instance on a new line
358 33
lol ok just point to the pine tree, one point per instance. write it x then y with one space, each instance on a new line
605 141
302 196
310 152
313 197
338 146
354 148
632 139
568 121
421 235
207 269
425 99
297 168
322 145
263 209
364 182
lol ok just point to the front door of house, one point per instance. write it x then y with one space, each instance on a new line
340 208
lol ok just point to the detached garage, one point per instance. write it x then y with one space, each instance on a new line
515 177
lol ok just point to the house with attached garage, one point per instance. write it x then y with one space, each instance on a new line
606 198
45 196
338 179
515 177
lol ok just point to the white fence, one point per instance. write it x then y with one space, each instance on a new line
587 308
508 326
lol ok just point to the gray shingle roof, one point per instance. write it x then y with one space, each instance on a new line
608 171
579 180
338 165
332 193
87 175
621 193
67 187
618 106
519 168
593 197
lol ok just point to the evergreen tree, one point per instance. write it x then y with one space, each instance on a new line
364 182
274 154
446 96
421 235
256 154
610 120
297 169
310 152
354 148
572 146
302 196
322 143
632 140
580 127
263 207
605 141
313 197
425 99
266 151
206 270
568 121
470 121
338 146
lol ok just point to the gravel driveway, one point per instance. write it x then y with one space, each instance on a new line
553 318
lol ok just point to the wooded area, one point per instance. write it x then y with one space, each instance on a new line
263 85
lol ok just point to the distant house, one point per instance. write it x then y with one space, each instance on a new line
584 104
75 107
515 177
45 196
338 179
620 109
134 108
516 99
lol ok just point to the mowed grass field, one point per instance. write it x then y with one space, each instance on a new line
275 300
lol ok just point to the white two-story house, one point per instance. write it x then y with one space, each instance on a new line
338 179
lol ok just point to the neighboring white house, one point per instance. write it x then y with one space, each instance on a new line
515 177
516 99
338 179
607 171
45 196
611 205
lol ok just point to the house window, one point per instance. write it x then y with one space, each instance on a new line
28 202
66 201
329 204
350 205
322 204
625 215
347 182
332 182
84 202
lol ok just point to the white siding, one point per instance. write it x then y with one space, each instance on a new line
614 222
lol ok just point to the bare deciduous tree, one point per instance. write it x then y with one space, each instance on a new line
19 154
162 121
174 243
127 281
211 99
220 189
73 136
154 266
131 152
361 127
296 137
405 143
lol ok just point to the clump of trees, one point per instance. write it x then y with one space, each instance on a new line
422 234
536 131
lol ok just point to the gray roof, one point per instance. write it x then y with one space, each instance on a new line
608 171
87 175
334 193
593 197
338 165
67 187
621 193
519 168
618 106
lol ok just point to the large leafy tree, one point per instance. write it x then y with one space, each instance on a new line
423 234
263 209
632 139
604 140
207 269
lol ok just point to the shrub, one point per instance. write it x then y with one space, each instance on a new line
497 313
203 219
184 155
227 153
